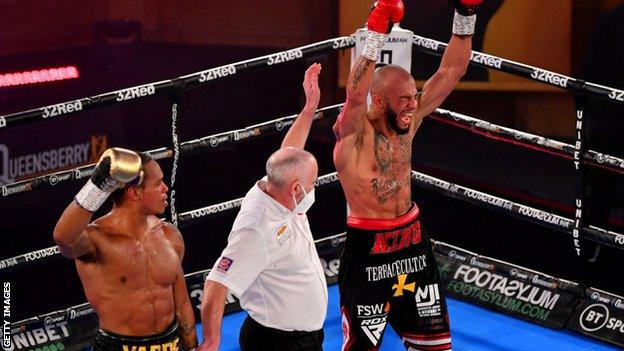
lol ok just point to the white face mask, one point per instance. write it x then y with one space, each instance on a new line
304 205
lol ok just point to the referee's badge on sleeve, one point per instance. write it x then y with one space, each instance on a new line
225 264
282 233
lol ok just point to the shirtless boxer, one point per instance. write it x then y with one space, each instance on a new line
388 273
128 260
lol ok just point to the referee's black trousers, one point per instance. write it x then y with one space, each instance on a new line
256 337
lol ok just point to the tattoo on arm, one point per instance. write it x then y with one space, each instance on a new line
185 329
187 334
359 72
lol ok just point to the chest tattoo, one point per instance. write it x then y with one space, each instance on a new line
393 160
383 153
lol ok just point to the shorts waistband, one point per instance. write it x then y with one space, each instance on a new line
169 332
279 331
384 224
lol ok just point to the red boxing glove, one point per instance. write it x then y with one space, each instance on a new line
466 7
384 14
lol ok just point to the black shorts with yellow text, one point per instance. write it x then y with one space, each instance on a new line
168 340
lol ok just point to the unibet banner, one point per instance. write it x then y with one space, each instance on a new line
600 315
504 287
71 329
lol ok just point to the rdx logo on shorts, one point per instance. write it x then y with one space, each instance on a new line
373 320
550 77
135 92
61 109
596 317
285 56
428 301
397 239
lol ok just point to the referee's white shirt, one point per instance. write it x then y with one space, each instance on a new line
271 265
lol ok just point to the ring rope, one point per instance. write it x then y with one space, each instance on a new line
531 214
178 84
533 73
528 140
205 144
449 189
214 141
197 79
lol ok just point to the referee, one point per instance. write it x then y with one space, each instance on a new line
270 262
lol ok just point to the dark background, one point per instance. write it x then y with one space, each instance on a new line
27 220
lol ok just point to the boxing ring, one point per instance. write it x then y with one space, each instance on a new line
569 306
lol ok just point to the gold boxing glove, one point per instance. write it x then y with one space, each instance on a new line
116 168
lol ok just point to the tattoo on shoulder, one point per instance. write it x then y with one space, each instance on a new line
188 335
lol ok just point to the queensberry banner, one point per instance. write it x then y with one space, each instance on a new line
82 144
501 286
600 315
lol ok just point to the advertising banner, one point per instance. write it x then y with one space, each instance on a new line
600 315
507 288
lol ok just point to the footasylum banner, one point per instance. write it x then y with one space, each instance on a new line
505 287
